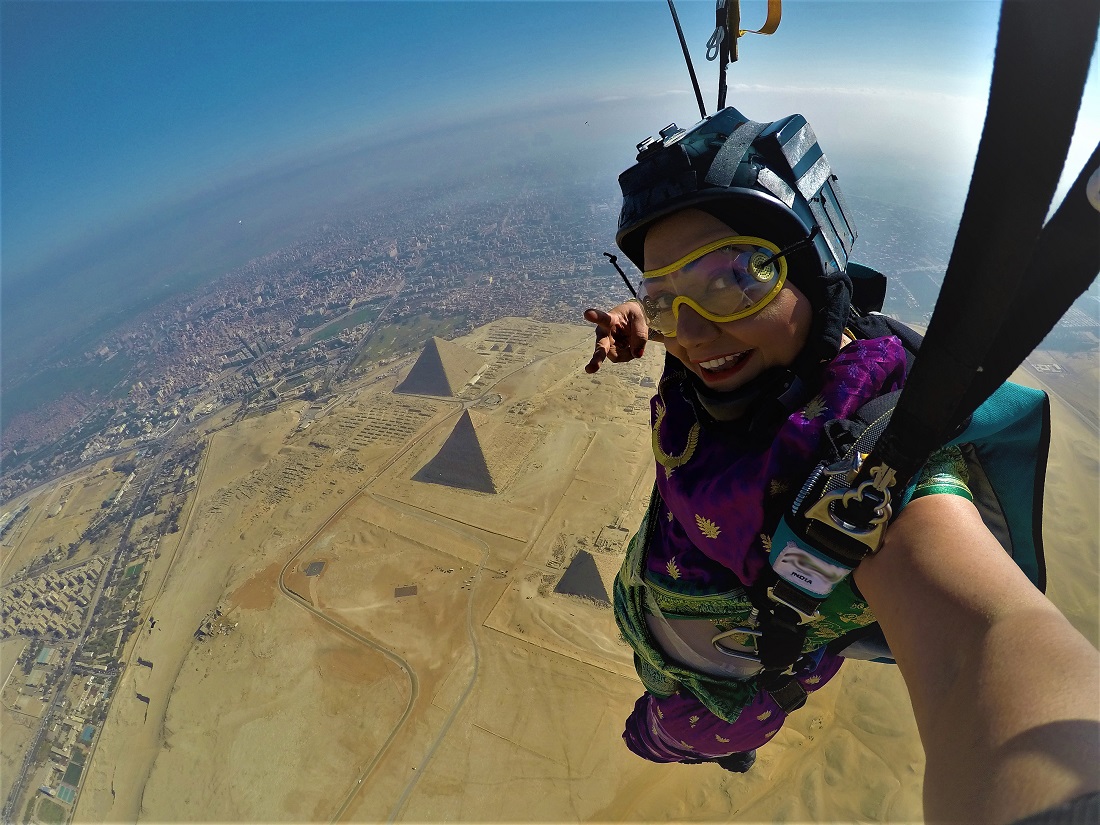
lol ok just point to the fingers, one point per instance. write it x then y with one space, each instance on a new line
621 335
637 336
598 317
603 341
603 346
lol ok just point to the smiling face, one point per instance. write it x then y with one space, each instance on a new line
726 355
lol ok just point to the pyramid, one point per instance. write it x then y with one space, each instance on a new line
442 369
460 462
582 578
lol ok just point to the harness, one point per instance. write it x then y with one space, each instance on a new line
1004 445
956 392
778 624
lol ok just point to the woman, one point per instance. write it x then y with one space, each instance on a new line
743 240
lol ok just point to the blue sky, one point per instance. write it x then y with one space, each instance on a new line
109 111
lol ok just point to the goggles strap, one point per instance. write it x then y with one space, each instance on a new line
790 250
614 259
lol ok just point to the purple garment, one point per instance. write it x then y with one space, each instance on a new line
679 728
723 500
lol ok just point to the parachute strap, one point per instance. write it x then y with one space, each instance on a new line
989 314
728 27
788 694
722 45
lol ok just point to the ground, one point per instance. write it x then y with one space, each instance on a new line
485 696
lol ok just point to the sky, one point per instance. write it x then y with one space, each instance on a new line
112 114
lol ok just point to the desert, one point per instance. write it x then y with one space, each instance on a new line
395 606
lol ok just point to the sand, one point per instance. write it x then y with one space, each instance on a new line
485 696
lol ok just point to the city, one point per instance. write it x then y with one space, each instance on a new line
298 321
304 323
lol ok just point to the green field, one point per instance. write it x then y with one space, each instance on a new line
360 316
49 811
72 774
406 336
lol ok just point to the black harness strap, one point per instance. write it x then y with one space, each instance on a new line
1065 261
1029 123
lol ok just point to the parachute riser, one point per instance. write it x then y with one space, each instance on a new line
722 45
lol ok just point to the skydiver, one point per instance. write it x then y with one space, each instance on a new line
746 283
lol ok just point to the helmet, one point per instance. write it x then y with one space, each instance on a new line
767 175
768 180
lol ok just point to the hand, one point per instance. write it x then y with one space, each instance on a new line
621 334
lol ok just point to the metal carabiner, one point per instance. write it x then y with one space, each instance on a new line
737 654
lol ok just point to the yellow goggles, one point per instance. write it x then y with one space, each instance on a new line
725 280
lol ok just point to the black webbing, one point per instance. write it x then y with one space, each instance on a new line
1042 60
1065 261
728 24
687 58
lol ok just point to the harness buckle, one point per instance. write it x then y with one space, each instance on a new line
737 654
803 617
874 494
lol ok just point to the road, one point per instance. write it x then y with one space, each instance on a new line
62 687
179 429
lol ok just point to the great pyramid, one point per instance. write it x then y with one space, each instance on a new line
442 369
460 462
582 578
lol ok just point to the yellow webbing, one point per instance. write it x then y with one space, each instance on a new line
775 14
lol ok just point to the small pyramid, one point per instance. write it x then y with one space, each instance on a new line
442 369
460 462
582 578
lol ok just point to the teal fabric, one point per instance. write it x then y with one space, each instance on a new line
1006 442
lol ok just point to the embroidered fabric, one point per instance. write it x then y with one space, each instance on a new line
705 536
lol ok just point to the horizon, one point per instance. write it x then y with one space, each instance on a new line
151 166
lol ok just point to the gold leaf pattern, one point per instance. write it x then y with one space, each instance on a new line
770 734
692 720
707 527
721 739
813 680
864 616
684 744
815 408
660 714
668 515
654 728
672 569
777 487
766 540
671 462
764 716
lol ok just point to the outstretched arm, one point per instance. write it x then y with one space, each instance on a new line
1005 691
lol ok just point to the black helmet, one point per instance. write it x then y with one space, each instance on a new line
754 172
770 180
